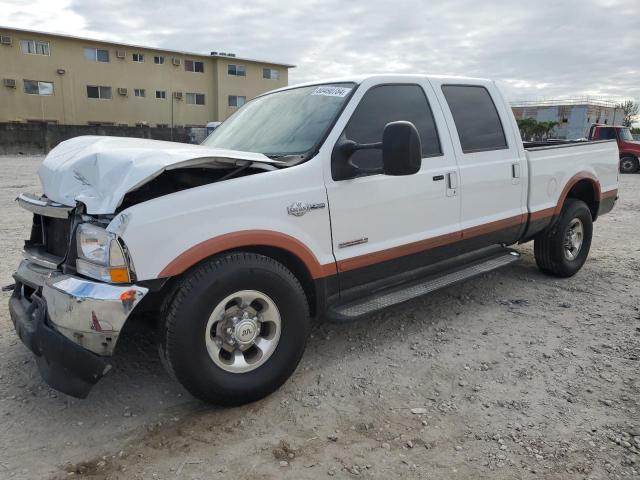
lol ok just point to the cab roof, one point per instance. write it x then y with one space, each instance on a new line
387 78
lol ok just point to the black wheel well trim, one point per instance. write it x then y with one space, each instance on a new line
584 190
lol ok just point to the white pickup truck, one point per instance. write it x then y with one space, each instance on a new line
331 199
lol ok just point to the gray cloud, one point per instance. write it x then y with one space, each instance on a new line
533 49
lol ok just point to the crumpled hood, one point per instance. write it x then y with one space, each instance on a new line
99 171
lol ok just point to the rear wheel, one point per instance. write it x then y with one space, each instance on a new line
628 164
562 248
236 329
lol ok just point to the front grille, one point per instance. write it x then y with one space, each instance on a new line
56 235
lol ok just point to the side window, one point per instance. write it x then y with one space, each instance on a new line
607 133
476 118
385 104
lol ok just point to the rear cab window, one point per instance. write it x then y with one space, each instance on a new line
606 133
383 104
476 118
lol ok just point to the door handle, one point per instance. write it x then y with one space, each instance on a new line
515 173
452 184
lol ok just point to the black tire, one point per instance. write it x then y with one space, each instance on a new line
628 164
182 333
549 245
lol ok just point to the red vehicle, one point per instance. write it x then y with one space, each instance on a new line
628 147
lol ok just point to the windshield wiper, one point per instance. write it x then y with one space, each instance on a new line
288 160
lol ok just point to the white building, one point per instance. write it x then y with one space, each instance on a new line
574 115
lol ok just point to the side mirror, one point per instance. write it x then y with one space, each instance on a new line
401 153
401 149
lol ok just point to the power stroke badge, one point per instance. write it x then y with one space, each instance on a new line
298 209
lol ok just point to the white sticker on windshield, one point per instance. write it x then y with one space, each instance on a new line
331 91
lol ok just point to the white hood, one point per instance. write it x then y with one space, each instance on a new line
99 171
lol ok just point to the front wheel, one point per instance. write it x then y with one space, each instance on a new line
236 328
628 164
562 248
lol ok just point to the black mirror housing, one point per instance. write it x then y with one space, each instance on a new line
401 149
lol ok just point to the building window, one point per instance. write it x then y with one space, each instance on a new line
139 92
158 60
193 66
96 55
99 91
237 70
138 57
34 47
195 98
35 87
237 100
270 73
161 94
162 125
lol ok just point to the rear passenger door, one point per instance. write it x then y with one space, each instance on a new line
385 225
492 169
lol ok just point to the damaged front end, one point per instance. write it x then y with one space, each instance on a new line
99 172
69 321
77 285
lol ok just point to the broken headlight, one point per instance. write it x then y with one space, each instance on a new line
100 255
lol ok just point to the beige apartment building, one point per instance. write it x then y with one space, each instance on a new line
77 81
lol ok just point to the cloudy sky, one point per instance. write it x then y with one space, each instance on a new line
533 48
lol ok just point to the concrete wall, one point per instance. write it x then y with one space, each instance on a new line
32 138
70 104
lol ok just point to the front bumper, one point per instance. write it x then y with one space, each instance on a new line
71 324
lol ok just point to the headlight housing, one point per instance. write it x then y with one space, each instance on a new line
100 255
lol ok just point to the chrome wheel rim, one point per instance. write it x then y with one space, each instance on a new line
573 239
243 331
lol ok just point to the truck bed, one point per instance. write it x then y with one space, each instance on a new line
551 165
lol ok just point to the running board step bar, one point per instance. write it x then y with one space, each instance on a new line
417 288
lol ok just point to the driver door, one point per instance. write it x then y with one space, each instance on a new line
386 225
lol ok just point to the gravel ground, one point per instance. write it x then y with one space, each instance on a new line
511 375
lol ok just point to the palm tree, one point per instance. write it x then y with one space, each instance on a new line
548 127
527 127
531 128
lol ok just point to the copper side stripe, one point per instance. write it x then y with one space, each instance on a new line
493 226
275 239
396 252
541 214
428 244
248 238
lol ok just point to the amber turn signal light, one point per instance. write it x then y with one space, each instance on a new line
119 275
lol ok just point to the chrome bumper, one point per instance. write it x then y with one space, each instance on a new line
90 314
43 206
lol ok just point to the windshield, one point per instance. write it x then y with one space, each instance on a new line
625 134
288 122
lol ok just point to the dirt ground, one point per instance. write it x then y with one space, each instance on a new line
512 375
